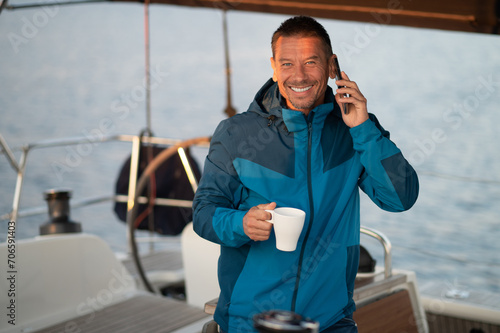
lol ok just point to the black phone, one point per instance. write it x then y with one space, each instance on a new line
338 76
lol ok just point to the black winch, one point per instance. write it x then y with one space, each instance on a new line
59 223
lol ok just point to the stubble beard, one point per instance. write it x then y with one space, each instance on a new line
302 104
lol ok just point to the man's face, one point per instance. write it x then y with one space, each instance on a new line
301 68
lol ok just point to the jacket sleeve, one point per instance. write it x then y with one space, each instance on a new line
388 179
215 206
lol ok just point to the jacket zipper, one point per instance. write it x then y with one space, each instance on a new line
311 210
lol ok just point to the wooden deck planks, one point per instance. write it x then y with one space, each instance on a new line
142 313
445 324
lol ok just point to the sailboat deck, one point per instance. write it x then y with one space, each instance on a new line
142 313
473 297
170 260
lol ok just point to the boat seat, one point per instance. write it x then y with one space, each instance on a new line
200 258
74 282
395 299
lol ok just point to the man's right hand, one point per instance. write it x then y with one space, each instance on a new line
254 222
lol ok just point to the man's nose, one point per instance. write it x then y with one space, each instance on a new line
300 72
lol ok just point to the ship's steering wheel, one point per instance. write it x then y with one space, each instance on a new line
141 183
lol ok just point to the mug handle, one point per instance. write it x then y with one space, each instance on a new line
272 216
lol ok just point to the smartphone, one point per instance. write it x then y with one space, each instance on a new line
339 77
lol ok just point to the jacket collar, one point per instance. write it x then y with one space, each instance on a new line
269 103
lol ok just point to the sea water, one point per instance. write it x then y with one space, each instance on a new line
79 71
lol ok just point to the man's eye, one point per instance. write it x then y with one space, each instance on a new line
286 64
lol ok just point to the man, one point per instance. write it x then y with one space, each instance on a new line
295 148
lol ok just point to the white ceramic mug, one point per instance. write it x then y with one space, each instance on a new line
288 223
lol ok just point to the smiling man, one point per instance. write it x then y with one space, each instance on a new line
295 148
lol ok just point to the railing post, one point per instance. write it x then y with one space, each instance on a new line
134 167
387 248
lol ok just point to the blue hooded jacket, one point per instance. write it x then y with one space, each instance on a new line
315 163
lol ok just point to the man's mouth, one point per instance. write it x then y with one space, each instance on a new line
299 90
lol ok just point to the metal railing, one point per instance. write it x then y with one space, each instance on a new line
136 140
384 241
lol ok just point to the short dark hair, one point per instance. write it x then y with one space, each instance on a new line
304 26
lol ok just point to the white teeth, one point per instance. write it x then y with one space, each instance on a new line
301 89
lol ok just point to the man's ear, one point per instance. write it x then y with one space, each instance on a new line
332 71
273 65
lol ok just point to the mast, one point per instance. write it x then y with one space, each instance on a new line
229 110
147 66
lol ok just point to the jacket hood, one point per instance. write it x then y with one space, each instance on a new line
267 101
